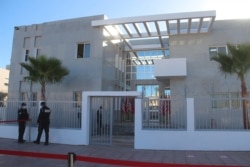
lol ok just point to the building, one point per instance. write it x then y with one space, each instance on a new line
152 54
4 82
159 56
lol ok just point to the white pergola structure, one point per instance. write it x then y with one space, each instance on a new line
154 27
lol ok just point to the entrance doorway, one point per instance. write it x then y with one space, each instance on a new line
112 120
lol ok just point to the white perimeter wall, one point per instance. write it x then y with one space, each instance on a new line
145 139
61 136
65 136
190 139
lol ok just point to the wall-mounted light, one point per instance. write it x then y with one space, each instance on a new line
16 28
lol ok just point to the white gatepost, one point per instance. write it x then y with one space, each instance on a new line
85 130
138 123
85 118
190 114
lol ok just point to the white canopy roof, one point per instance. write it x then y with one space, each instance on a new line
156 26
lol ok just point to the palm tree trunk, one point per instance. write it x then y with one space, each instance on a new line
43 98
244 96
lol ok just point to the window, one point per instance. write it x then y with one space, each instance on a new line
167 92
6 82
226 100
34 98
214 50
77 97
22 69
141 67
37 41
220 100
26 42
23 96
38 52
26 56
31 97
83 50
148 90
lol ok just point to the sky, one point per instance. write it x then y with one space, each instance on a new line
27 12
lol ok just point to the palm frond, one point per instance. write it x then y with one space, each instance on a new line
45 70
237 61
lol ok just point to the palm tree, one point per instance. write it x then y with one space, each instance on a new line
44 70
237 61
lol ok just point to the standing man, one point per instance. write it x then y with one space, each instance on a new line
99 120
43 122
22 118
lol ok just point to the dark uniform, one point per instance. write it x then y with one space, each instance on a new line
99 120
43 123
23 117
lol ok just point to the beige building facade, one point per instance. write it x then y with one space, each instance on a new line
4 82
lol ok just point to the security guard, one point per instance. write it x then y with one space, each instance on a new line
43 122
22 117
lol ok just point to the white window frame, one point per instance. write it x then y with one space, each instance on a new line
217 50
85 51
231 100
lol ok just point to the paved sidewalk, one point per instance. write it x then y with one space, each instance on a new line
27 156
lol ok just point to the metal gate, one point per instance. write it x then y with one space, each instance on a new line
101 113
111 119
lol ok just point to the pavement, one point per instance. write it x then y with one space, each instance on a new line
28 154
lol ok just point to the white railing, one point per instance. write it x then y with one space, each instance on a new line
219 113
165 113
63 115
209 113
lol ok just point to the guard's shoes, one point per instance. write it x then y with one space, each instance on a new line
36 142
46 143
21 141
